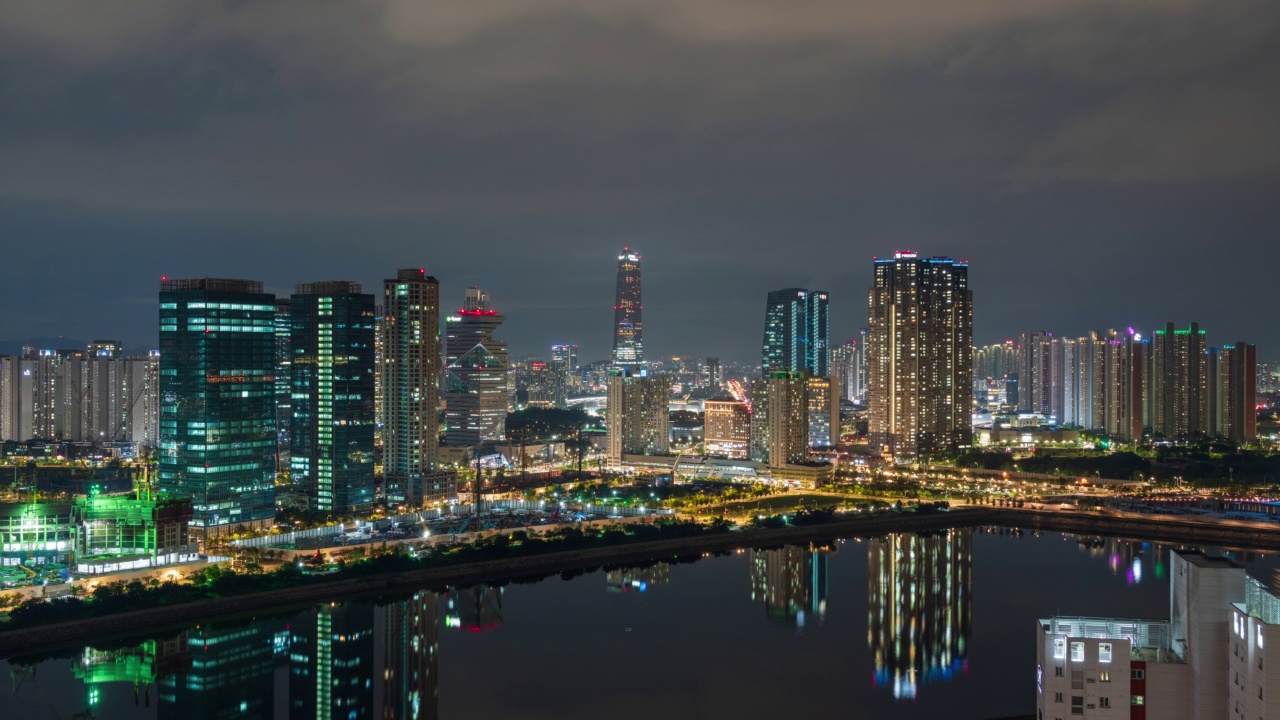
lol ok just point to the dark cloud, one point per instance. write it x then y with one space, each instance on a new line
1099 164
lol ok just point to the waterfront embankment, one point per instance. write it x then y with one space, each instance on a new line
1171 529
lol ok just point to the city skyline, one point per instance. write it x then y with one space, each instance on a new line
848 307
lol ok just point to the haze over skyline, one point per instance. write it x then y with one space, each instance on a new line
1098 165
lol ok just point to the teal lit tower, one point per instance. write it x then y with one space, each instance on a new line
332 390
796 332
217 401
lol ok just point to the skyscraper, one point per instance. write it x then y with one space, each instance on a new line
475 372
823 398
1233 392
628 335
637 414
796 332
779 419
920 354
411 389
1035 375
332 370
217 401
284 398
1180 382
564 364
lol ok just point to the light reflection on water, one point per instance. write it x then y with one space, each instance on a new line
946 619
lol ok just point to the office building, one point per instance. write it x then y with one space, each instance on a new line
919 608
476 370
712 374
796 332
779 419
1233 392
921 364
332 388
823 399
628 328
217 401
411 390
842 370
284 376
1180 381
637 414
727 428
564 365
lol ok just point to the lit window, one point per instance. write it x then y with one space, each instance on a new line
1077 652
1104 652
1104 676
1138 699
1059 649
1259 636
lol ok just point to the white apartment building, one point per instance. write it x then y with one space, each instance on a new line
1167 670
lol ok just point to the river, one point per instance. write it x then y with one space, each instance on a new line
906 626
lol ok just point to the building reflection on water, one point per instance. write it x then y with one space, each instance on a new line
476 608
340 661
792 583
638 579
920 608
1138 560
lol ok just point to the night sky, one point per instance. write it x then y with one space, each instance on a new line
1100 164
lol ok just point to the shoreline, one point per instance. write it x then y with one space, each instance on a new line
1174 529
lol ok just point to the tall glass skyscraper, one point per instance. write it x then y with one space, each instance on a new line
217 400
332 369
797 329
628 336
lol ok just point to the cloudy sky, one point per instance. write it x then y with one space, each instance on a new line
1100 164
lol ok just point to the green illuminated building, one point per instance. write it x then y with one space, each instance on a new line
332 392
217 401
34 533
125 532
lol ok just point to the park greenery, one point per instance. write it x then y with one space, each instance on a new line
1198 465
250 575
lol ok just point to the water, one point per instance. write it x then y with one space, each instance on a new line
902 627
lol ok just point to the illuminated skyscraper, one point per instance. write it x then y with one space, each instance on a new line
921 336
779 419
1035 376
475 372
284 397
217 401
332 371
1180 382
411 389
920 611
1233 392
796 332
564 365
628 335
823 399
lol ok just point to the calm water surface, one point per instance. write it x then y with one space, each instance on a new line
906 626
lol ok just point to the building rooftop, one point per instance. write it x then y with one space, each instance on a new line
1200 560
1148 639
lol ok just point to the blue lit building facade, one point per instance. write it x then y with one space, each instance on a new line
797 330
217 401
332 389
